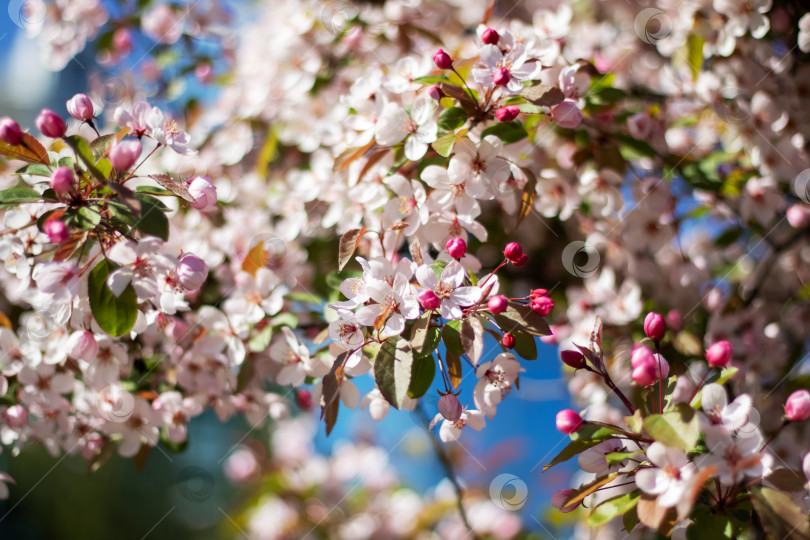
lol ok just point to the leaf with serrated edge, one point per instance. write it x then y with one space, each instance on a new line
175 186
392 370
545 96
348 244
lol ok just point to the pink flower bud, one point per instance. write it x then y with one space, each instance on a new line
62 180
191 271
203 193
559 498
508 341
645 374
490 36
16 417
303 398
646 366
501 77
124 154
520 261
674 319
435 93
442 60
568 421
798 215
83 345
641 355
497 304
538 292
512 251
204 73
456 247
508 113
80 107
797 407
567 115
719 354
51 124
56 230
429 300
122 41
542 305
654 326
10 131
450 407
573 358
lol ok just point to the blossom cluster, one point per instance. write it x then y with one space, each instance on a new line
454 157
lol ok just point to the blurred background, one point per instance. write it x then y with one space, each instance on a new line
187 494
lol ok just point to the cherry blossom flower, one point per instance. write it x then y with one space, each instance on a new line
502 70
451 431
448 289
395 304
670 478
495 380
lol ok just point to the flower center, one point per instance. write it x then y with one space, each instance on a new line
443 289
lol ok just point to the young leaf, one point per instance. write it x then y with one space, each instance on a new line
542 95
114 314
175 186
472 338
30 150
419 332
528 196
82 149
677 428
611 508
780 516
152 220
453 368
573 448
508 132
17 195
452 118
444 144
348 244
392 370
519 317
422 375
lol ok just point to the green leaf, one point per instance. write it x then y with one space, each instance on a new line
694 54
115 315
392 370
100 146
573 448
152 220
422 375
542 95
285 319
87 218
525 346
677 428
18 195
508 132
451 335
432 79
780 516
444 144
452 118
82 149
617 458
35 169
419 332
518 317
261 341
611 508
